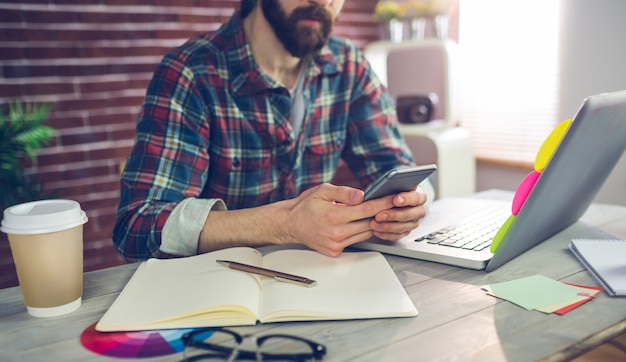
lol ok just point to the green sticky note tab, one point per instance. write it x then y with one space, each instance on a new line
495 243
534 292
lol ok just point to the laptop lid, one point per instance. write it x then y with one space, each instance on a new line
586 155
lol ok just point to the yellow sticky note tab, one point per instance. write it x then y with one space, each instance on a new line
550 144
500 234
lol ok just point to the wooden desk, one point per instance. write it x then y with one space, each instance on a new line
457 321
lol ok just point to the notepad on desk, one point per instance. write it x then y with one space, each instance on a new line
199 292
606 261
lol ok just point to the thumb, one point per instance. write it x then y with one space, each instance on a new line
343 194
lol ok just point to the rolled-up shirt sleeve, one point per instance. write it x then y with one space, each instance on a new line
182 229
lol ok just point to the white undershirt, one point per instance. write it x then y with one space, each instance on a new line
297 103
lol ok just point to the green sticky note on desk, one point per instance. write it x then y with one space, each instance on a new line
534 292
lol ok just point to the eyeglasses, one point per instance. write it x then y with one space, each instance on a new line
223 344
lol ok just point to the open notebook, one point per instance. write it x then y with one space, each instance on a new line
199 292
570 168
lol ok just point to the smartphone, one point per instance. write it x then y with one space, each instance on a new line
398 180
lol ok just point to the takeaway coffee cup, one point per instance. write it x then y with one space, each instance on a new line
46 239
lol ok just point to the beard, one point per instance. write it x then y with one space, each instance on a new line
299 41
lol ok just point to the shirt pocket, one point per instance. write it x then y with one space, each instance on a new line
242 175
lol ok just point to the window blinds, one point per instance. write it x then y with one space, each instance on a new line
509 66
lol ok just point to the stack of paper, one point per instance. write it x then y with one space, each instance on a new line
543 294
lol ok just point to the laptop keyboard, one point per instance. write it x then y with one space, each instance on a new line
475 233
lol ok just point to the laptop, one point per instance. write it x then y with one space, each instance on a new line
583 159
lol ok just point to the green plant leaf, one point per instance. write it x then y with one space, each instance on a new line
32 139
22 133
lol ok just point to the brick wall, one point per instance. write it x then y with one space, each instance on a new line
92 59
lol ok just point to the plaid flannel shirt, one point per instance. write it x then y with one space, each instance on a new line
215 132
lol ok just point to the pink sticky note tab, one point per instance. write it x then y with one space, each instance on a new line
550 144
523 190
495 243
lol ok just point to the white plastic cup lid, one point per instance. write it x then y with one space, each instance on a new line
46 216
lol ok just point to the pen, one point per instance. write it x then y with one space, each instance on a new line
279 276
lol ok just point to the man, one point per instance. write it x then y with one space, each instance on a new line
241 132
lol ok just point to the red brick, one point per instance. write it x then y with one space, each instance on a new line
140 83
125 134
153 18
102 210
110 185
12 52
83 70
52 175
50 16
102 255
61 121
24 71
130 68
219 4
83 137
109 153
131 34
102 84
10 91
8 276
51 51
178 3
126 101
103 52
62 157
70 190
96 240
28 1
103 17
142 51
106 221
81 104
174 34
53 88
82 34
86 172
111 119
73 2
11 16
125 2
22 34
214 20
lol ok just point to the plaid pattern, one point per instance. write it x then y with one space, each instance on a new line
214 126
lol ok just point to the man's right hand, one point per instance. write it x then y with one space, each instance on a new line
325 218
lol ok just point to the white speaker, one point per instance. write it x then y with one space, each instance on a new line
420 68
